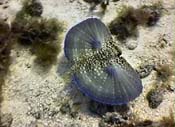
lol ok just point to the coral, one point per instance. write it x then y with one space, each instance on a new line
155 98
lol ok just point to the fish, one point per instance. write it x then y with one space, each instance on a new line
97 67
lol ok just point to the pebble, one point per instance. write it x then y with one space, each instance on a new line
155 98
131 45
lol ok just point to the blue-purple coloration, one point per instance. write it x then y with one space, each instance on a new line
82 37
106 79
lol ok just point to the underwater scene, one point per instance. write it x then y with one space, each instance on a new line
87 63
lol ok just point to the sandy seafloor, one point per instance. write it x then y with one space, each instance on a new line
29 90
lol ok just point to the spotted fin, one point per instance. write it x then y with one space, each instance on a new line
113 84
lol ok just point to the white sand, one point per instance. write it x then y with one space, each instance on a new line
29 90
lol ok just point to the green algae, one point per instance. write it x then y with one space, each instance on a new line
42 35
125 25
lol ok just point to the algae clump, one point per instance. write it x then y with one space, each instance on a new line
41 34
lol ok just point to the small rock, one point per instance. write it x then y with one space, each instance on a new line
131 46
155 98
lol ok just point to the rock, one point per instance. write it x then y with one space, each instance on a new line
131 45
154 98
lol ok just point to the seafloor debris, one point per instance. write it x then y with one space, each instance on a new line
164 77
67 108
164 72
155 98
125 25
93 3
145 71
98 69
163 83
114 119
6 120
97 1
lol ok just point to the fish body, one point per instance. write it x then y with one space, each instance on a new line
98 69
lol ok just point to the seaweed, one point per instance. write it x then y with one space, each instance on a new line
94 3
31 8
5 49
34 8
164 72
152 13
42 35
125 24
165 76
